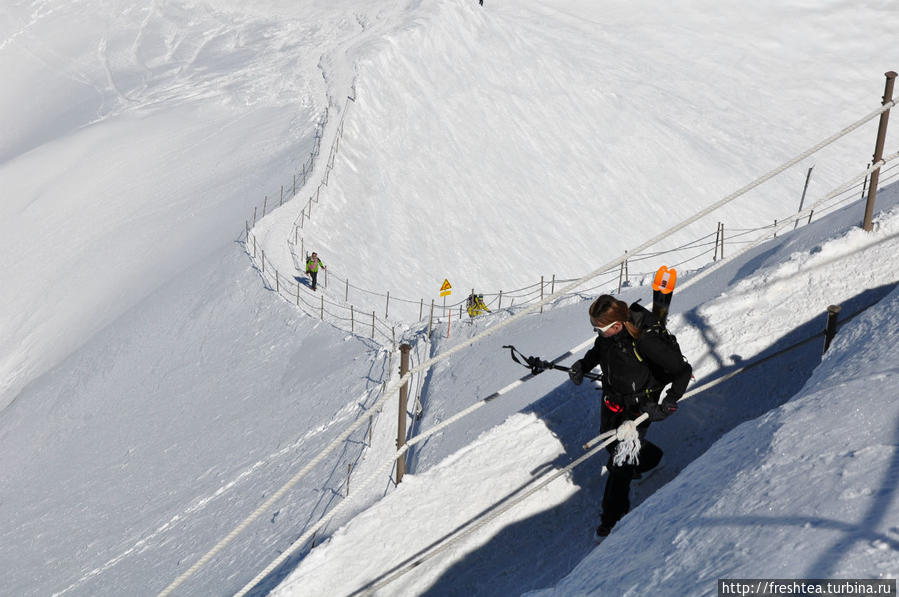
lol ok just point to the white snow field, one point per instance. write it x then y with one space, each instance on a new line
157 397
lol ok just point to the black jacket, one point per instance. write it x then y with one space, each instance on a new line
635 371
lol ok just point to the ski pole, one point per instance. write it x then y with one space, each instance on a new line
538 365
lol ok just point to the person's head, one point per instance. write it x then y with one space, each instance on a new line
609 316
314 254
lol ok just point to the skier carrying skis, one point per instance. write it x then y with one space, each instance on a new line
312 265
637 363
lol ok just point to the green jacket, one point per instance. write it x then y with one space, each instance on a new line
312 264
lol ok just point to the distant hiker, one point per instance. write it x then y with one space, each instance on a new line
637 362
312 265
476 305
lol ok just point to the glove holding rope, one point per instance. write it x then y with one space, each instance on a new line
576 372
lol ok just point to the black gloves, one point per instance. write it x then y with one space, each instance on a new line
660 412
576 372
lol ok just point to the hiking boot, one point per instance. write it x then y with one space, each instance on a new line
601 533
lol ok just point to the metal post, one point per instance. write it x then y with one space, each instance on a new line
802 199
830 329
401 422
541 294
722 240
717 240
878 151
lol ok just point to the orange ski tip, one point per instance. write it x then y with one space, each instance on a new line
665 280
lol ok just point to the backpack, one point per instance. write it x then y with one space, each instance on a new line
659 329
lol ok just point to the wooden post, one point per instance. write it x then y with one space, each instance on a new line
830 328
449 322
254 216
294 193
717 240
263 261
878 151
264 205
282 196
421 308
387 307
346 297
372 325
401 421
323 307
349 471
352 320
804 189
277 282
775 227
298 293
254 247
247 223
620 276
500 299
552 286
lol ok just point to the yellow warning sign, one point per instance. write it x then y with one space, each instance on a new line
446 289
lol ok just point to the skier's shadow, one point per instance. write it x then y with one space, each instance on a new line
519 564
304 280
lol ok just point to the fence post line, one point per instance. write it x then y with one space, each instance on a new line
830 328
878 151
387 307
805 188
401 419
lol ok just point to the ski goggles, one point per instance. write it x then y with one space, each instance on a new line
604 328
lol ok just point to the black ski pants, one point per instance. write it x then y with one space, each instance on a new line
616 499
